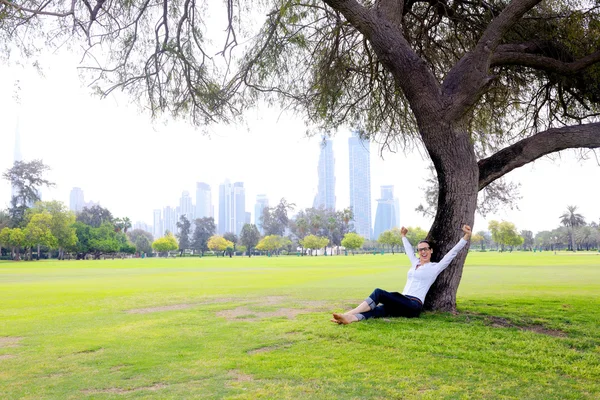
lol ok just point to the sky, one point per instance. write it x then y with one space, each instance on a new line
131 165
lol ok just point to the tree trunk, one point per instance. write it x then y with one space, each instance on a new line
458 177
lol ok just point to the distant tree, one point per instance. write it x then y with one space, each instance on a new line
104 240
313 242
219 243
141 239
249 237
126 224
184 234
586 237
232 237
95 216
4 219
61 223
505 234
38 232
571 219
391 237
477 239
275 220
165 244
205 228
528 240
352 241
15 239
27 180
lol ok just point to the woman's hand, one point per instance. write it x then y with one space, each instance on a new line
467 230
403 231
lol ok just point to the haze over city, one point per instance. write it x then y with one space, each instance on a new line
131 165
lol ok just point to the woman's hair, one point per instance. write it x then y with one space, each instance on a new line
428 243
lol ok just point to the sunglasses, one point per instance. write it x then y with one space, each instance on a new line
423 249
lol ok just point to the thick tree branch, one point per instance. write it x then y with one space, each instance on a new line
474 66
534 147
411 74
41 10
392 9
508 56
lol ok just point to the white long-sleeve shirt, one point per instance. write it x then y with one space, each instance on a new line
420 280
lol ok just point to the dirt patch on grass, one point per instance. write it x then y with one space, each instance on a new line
500 322
148 310
175 307
246 314
154 387
267 349
239 376
10 341
7 356
87 351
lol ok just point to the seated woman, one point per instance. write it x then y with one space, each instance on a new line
421 276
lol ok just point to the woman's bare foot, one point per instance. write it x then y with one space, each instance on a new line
344 319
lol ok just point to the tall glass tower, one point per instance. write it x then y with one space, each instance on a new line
203 200
232 207
261 203
387 208
360 184
326 170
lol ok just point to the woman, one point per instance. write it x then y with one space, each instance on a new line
421 276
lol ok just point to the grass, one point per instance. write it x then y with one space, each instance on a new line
256 328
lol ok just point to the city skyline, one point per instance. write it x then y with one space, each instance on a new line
132 166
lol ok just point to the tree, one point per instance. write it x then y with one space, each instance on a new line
38 232
486 87
184 234
275 220
249 237
95 216
61 223
15 239
313 242
391 237
571 219
352 241
483 238
205 228
528 240
141 239
165 244
26 179
272 243
219 243
505 234
232 237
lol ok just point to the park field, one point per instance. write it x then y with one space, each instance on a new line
527 327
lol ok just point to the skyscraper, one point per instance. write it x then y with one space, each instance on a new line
232 207
360 184
203 200
186 208
157 227
76 200
326 170
16 157
385 216
261 203
169 220
239 206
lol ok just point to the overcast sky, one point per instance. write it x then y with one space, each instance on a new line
131 166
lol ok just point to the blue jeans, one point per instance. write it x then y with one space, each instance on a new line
386 304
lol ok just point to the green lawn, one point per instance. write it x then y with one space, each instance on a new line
527 328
